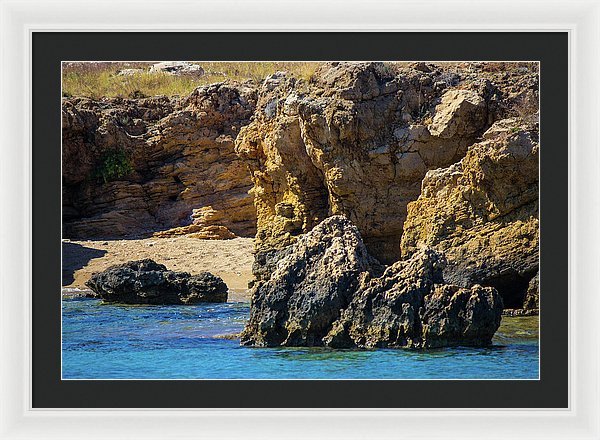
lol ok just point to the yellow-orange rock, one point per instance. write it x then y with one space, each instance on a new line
357 140
137 166
482 214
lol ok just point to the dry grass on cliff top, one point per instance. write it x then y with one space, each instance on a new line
100 79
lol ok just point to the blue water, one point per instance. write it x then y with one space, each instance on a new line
102 341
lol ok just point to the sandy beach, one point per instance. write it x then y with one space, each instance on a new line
229 259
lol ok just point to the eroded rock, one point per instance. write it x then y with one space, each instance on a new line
357 140
212 232
325 291
137 166
309 288
147 282
461 112
482 214
177 68
410 306
532 297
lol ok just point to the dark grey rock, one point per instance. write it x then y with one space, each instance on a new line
453 315
410 306
328 291
266 262
147 282
309 287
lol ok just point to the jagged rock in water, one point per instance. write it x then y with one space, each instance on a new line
147 282
460 316
411 307
357 140
310 286
482 214
323 293
138 166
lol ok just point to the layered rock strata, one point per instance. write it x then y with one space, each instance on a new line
147 282
136 166
327 292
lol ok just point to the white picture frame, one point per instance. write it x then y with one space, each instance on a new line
18 19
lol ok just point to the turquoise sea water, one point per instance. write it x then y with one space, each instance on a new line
102 341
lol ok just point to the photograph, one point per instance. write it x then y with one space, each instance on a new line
300 220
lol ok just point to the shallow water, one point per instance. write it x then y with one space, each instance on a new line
102 341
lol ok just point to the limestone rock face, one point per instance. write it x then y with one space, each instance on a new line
147 282
482 214
459 112
310 286
357 140
136 166
325 291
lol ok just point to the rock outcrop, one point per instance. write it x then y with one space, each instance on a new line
357 140
326 292
147 282
411 306
137 166
482 214
310 286
417 157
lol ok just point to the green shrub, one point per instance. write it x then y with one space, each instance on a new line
113 165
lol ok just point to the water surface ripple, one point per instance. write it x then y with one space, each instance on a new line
102 341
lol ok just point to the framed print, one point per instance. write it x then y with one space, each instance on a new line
317 226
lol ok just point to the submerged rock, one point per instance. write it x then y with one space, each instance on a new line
147 282
324 293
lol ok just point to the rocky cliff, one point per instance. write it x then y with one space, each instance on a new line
421 156
136 166
482 213
358 139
